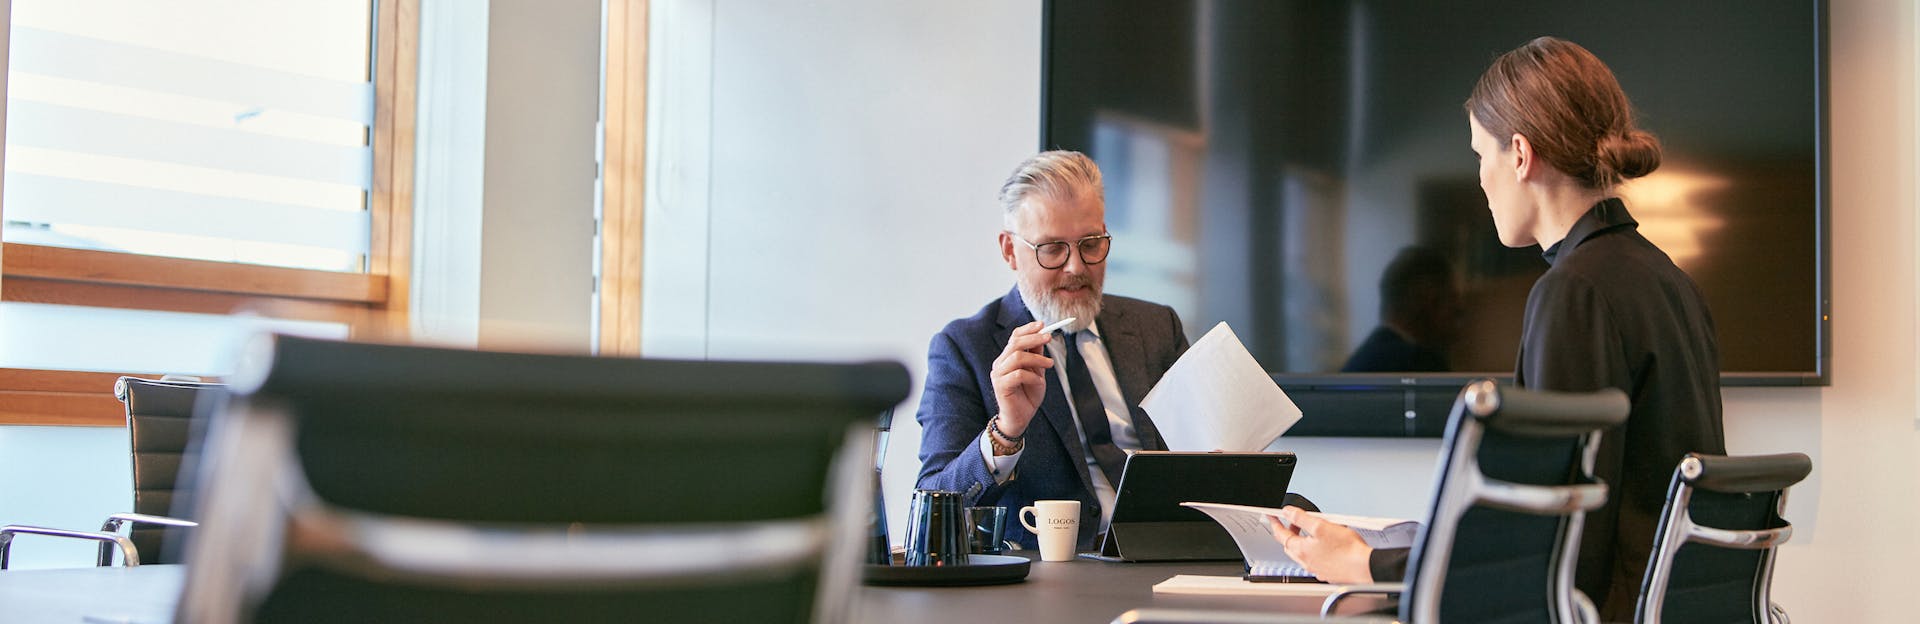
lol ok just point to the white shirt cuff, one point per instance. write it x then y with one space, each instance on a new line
1000 467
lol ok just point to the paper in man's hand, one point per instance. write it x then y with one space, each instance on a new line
1217 397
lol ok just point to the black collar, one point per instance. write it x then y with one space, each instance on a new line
1609 214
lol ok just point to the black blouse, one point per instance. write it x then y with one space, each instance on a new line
1614 311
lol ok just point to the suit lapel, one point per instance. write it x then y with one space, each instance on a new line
1129 356
1013 313
1053 407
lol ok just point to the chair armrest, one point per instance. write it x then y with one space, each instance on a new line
1745 473
1543 499
115 521
440 551
1584 609
1743 540
130 555
1333 600
1204 616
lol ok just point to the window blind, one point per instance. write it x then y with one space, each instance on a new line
228 130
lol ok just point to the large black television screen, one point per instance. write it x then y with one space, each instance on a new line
1267 161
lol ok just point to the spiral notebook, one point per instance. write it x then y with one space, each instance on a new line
1267 561
1237 586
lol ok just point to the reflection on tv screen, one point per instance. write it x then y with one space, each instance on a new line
1301 170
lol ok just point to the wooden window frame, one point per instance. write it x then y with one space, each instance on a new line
43 397
623 176
374 304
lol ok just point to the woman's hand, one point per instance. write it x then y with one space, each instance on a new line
1330 550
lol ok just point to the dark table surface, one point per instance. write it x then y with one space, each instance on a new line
1055 592
1082 590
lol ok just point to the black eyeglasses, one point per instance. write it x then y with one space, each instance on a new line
1053 255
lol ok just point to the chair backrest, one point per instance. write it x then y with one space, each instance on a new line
358 482
1515 479
164 430
1713 552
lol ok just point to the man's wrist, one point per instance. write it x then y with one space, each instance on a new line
994 426
1007 431
1003 444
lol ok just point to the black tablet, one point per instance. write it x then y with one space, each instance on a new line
1150 525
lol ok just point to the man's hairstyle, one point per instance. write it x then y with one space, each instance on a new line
1412 271
1058 175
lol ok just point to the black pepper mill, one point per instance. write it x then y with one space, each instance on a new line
879 550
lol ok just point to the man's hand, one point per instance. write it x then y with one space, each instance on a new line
1019 377
1330 550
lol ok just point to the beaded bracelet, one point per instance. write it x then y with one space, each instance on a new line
995 426
994 436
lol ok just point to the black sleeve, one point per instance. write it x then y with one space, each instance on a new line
1388 565
1571 344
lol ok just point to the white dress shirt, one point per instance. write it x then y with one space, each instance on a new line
1119 418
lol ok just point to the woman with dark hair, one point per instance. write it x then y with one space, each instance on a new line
1555 137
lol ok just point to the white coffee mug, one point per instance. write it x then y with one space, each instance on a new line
1058 527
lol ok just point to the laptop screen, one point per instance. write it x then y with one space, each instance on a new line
1154 483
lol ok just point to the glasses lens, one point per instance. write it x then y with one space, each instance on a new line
1053 255
1094 250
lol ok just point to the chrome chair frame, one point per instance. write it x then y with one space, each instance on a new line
1677 528
109 542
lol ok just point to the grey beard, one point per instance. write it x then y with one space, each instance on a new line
1048 310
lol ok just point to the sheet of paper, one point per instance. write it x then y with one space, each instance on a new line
1234 585
1249 529
1218 398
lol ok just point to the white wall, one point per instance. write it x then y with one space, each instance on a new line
1852 557
823 176
450 140
823 188
543 104
509 99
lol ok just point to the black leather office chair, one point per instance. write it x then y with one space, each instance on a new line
1505 523
355 482
1502 532
162 417
1713 551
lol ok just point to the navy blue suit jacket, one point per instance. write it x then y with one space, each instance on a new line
1143 340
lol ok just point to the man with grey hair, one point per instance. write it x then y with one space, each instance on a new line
1011 415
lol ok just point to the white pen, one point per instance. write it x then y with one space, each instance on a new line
1057 325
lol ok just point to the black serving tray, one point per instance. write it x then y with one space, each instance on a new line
980 570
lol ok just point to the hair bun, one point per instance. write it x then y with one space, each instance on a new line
1626 156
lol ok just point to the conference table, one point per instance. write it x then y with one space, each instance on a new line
1055 592
1082 590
